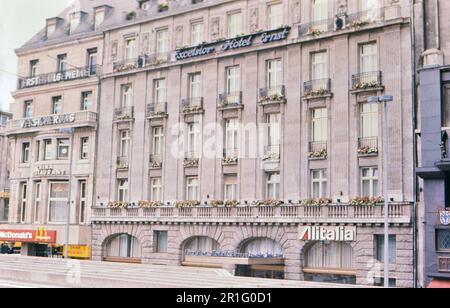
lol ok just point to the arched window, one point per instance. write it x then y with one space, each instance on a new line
123 246
201 243
263 247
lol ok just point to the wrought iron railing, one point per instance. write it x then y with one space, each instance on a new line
124 113
317 87
192 104
230 99
154 109
367 80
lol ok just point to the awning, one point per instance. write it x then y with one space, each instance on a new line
218 262
439 284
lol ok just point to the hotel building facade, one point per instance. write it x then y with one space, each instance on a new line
238 135
4 174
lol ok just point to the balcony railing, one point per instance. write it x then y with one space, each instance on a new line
141 62
193 104
317 87
123 113
157 109
55 77
364 18
272 95
316 28
318 150
368 145
367 80
271 152
336 213
122 163
229 100
67 120
156 161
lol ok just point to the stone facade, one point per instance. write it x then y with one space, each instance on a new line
4 167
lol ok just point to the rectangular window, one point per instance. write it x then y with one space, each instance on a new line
124 145
320 10
75 19
63 149
233 80
369 58
28 109
231 137
197 36
319 65
49 152
319 125
273 130
234 24
33 68
130 49
275 16
273 186
369 182
58 201
127 95
51 27
25 152
92 61
86 100
23 203
62 63
379 281
192 188
195 85
160 91
379 248
192 140
122 192
274 74
38 150
161 240
369 120
37 202
162 41
230 187
443 240
84 148
319 183
99 17
155 189
82 195
158 140
56 105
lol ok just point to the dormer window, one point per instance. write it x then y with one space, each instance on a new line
51 26
145 5
75 20
99 17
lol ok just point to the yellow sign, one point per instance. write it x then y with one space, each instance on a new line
17 245
4 195
78 251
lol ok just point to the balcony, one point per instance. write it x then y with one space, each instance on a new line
365 18
156 161
122 163
316 28
399 213
317 88
124 114
271 153
272 95
230 156
193 105
191 159
318 150
157 110
230 100
368 146
141 62
51 122
56 77
368 81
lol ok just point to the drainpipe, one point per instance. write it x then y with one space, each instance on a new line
414 121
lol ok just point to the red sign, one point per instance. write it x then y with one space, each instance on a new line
41 235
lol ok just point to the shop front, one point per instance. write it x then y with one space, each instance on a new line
38 243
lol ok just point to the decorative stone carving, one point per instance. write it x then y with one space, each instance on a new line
342 7
114 49
179 36
254 19
215 28
145 43
296 12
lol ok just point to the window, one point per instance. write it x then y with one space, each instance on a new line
38 150
122 193
195 83
130 49
369 120
319 66
379 282
49 152
145 5
319 125
273 186
99 17
84 148
160 238
273 129
379 248
86 100
443 240
192 140
124 143
368 58
25 152
51 27
63 148
275 16
37 202
28 109
274 74
234 24
319 183
320 10
58 201
192 188
197 33
230 187
124 246
233 80
162 41
231 137
82 195
62 63
127 95
158 140
160 91
92 61
33 68
155 189
57 104
75 19
23 203
369 182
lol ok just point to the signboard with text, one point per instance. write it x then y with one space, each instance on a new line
40 235
327 233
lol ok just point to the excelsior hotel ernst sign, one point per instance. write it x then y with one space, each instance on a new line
327 233
41 235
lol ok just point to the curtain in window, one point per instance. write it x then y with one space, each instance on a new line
263 246
333 255
202 243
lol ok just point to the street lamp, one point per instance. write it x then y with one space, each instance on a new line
384 99
70 131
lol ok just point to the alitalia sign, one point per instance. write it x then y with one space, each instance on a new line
326 233
234 43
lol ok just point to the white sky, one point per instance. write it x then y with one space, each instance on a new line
19 21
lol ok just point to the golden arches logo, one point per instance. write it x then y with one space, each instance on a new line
41 234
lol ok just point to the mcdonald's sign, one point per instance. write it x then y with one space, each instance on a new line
40 235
